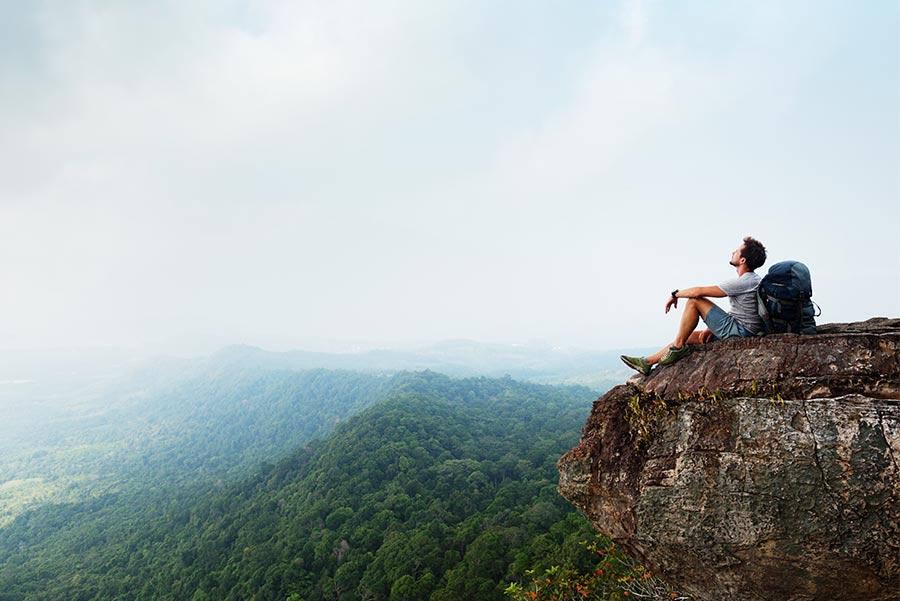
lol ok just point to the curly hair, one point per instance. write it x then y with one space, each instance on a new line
754 252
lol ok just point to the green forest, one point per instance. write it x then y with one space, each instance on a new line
435 488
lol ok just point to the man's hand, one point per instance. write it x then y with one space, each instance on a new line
672 302
706 336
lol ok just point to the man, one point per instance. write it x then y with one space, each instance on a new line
742 320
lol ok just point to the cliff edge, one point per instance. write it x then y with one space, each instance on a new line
755 469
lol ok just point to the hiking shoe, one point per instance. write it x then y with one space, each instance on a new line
675 354
637 363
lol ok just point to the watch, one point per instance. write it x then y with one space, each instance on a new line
675 293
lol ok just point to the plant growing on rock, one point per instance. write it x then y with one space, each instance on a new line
615 577
641 411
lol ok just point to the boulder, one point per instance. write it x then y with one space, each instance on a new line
755 469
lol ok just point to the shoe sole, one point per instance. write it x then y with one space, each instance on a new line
636 367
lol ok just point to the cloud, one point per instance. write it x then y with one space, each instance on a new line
634 22
281 171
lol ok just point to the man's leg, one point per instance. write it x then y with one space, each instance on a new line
694 309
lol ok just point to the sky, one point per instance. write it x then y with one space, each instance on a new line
185 175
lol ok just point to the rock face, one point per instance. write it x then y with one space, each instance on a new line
755 469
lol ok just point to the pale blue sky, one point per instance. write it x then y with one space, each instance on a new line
329 175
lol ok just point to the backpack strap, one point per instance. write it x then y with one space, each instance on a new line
763 312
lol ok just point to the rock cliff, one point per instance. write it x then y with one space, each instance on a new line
755 469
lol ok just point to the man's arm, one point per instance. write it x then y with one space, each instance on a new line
695 292
698 291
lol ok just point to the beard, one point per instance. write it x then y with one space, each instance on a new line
732 263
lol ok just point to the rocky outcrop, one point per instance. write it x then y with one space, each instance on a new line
755 469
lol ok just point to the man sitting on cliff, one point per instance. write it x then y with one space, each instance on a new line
742 320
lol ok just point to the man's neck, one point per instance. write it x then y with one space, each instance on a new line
742 269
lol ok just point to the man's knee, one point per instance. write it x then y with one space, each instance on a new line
698 302
701 304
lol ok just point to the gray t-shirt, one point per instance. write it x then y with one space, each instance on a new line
742 296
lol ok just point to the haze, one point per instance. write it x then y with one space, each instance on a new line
350 175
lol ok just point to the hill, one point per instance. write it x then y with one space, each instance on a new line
535 362
164 425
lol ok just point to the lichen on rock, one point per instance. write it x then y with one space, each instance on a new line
763 468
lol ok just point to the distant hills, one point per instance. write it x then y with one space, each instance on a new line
535 363
22 372
164 425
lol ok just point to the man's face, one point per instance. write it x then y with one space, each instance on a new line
736 257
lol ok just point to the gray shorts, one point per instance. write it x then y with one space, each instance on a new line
724 325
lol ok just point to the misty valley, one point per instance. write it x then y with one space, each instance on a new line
241 477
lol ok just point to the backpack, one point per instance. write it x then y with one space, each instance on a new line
784 299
